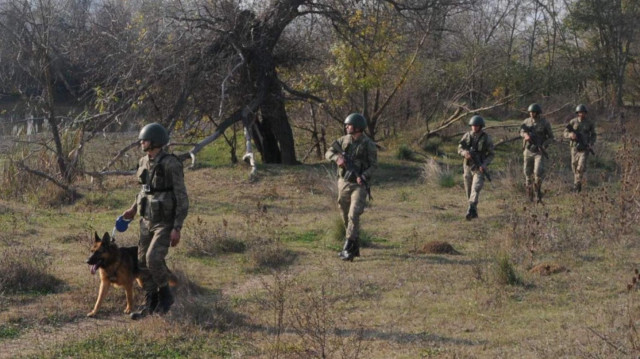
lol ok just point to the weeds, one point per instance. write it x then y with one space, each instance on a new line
505 271
207 241
432 171
25 269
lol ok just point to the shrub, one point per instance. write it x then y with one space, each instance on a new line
505 271
405 153
26 270
207 241
435 172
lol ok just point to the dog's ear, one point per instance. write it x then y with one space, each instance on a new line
97 239
106 238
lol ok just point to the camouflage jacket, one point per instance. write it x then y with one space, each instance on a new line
479 142
542 130
586 128
163 197
363 151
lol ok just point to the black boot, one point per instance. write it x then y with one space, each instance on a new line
530 193
356 248
348 250
148 306
165 300
538 188
472 212
577 187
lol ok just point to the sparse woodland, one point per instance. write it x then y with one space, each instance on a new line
270 82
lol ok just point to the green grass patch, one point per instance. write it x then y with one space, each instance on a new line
305 237
8 332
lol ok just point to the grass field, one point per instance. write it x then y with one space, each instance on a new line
260 276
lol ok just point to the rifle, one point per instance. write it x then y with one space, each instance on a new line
582 145
477 163
535 141
351 169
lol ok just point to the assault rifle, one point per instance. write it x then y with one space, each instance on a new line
580 140
477 162
351 169
535 140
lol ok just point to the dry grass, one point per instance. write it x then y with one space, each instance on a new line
289 295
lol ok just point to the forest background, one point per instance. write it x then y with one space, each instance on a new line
79 78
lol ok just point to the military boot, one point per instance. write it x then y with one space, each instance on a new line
577 187
148 306
348 250
356 248
472 212
165 300
530 193
538 189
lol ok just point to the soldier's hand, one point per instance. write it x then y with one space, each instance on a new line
527 137
360 180
340 161
467 155
130 213
574 136
175 237
481 169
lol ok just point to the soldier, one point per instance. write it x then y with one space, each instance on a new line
536 133
476 147
163 204
357 158
582 133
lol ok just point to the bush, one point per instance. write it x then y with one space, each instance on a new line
405 153
26 270
505 272
207 241
432 145
434 172
271 256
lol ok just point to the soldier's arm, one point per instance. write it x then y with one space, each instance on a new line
566 133
463 147
549 132
179 191
593 134
332 153
372 158
490 152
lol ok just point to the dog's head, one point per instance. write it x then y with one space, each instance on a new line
100 251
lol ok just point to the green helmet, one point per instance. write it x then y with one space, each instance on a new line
534 107
581 108
154 133
356 120
476 121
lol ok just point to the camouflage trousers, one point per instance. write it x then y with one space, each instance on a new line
578 164
153 246
352 200
473 182
533 167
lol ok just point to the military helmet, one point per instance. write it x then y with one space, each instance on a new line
154 133
534 107
476 121
356 120
581 108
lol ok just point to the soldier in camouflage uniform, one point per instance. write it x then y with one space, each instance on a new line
583 137
163 204
536 133
357 158
475 145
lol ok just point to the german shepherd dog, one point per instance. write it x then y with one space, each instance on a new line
117 266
